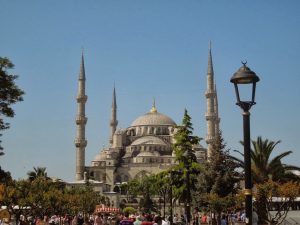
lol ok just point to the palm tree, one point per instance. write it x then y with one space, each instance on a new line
38 172
264 167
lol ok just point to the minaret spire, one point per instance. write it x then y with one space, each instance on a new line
80 141
113 121
212 107
82 69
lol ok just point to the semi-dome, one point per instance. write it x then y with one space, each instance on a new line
153 118
148 140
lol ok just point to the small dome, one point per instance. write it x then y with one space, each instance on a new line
153 118
120 131
100 157
148 140
199 154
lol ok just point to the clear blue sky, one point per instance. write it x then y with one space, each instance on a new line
149 49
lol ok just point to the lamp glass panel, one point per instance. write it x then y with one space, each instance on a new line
245 91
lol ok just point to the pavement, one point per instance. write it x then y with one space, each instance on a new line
293 217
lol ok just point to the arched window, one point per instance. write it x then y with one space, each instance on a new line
117 189
126 178
151 130
118 179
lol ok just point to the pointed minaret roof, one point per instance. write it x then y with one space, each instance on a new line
114 101
210 69
113 121
153 108
82 70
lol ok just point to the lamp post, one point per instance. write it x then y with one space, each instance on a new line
245 76
187 155
171 197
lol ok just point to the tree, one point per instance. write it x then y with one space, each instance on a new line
220 174
264 167
45 197
129 210
10 93
5 177
164 184
219 181
275 196
188 167
265 170
38 172
145 185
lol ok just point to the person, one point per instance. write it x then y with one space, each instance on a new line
196 218
6 221
80 220
148 220
254 218
86 220
126 220
175 218
243 216
208 219
74 220
204 218
137 221
223 220
165 221
40 221
157 220
98 219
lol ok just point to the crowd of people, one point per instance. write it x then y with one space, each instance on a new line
231 218
197 218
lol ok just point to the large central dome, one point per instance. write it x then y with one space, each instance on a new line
153 118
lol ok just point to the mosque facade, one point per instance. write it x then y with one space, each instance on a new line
144 147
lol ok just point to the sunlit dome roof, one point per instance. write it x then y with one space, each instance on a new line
148 140
153 118
100 157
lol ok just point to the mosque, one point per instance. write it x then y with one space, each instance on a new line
144 147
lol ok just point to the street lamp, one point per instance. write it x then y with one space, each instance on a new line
188 155
242 78
171 197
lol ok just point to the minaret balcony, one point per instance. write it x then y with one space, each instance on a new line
80 143
81 120
210 94
209 139
211 116
113 123
82 98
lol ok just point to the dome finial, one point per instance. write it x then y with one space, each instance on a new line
153 109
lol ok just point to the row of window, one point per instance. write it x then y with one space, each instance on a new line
149 130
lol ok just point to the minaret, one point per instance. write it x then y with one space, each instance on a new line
216 108
113 121
212 107
80 141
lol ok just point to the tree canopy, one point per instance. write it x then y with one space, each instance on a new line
185 172
264 167
220 174
37 172
10 93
